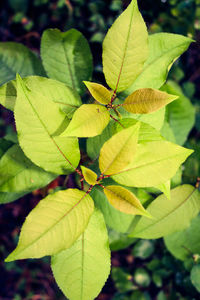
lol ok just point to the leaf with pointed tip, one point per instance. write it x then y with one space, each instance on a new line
153 164
169 216
19 174
66 57
119 150
16 58
125 201
88 120
89 176
82 270
125 49
66 98
164 49
165 188
37 126
99 92
146 134
145 101
113 217
54 224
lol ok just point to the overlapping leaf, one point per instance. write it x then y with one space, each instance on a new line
99 92
88 120
119 150
164 49
38 126
89 175
19 174
82 270
145 101
124 201
54 224
169 216
154 163
16 58
66 56
125 49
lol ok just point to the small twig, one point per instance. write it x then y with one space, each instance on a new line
117 121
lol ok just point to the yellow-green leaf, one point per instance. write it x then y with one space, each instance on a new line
146 101
54 224
8 95
99 92
125 49
165 189
119 150
82 270
38 126
89 176
154 163
123 200
88 120
169 216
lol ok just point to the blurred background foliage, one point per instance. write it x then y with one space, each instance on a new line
142 269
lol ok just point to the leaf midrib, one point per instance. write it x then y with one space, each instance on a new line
45 128
171 212
55 224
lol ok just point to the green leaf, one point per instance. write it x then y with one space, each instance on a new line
119 150
124 201
8 95
164 49
99 92
66 57
145 101
10 197
195 277
54 224
89 176
66 98
119 241
146 134
125 49
169 216
19 174
88 120
81 271
37 127
180 114
16 58
113 217
185 243
165 188
154 163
